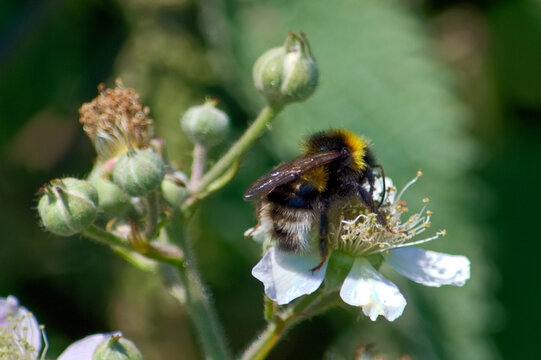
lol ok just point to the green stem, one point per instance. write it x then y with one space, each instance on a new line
153 203
266 341
304 309
181 277
198 163
225 178
105 237
195 297
138 260
167 254
122 247
251 134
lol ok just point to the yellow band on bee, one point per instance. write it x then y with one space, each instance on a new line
317 178
357 145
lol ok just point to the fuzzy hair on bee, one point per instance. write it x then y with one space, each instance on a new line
336 166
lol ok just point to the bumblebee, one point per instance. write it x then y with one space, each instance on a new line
335 167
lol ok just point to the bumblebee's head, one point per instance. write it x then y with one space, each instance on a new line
352 146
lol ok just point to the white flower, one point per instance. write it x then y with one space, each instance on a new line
365 287
288 276
20 334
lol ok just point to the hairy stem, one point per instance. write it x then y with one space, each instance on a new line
195 297
198 164
280 325
167 254
105 237
180 275
153 200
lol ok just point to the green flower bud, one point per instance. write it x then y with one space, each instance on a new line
68 206
205 124
113 201
117 348
287 73
138 172
174 189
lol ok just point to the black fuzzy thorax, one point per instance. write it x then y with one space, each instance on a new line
293 208
325 141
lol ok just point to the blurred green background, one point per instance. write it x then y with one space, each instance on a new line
449 87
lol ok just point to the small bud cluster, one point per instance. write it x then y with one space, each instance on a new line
129 167
132 182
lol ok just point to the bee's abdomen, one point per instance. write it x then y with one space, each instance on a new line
290 225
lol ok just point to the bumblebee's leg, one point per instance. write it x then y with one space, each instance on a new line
368 201
323 234
369 175
384 193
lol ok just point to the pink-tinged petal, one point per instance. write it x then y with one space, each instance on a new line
429 268
365 287
288 276
84 349
26 328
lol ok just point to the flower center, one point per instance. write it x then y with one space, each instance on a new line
359 233
14 343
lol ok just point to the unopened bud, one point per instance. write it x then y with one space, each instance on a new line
68 206
205 124
138 172
113 201
287 73
174 189
117 348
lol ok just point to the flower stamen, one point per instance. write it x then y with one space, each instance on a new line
362 235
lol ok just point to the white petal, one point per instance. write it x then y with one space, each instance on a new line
259 232
365 287
27 329
84 349
288 276
429 268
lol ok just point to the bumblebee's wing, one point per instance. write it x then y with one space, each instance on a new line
288 172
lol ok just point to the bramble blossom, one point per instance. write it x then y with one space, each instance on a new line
21 336
287 276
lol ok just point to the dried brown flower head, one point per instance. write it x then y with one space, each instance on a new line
116 120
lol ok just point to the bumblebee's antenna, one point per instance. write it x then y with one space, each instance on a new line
384 192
